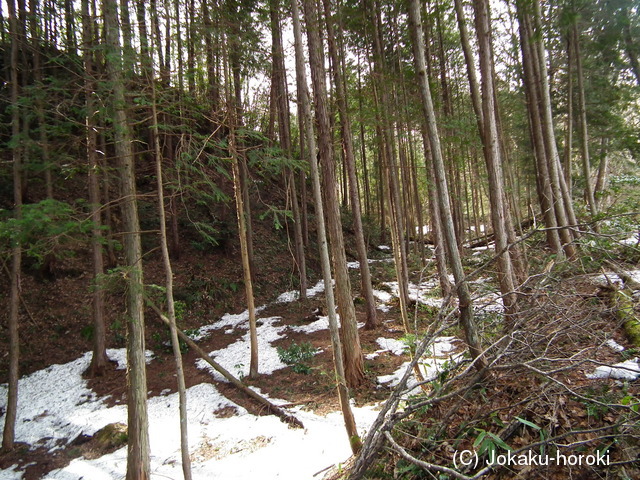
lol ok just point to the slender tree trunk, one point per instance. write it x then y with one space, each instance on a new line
543 178
476 101
464 295
390 168
233 108
282 104
138 443
351 350
568 148
562 203
492 154
171 312
602 173
305 109
37 74
8 434
99 358
584 132
439 243
631 46
349 165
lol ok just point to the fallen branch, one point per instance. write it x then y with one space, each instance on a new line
486 239
272 408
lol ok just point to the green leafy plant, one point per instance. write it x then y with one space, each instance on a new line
487 442
298 356
541 431
410 341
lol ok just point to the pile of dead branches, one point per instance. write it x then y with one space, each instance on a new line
533 401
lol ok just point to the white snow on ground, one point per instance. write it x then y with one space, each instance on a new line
489 303
396 347
613 345
239 447
419 293
10 473
632 240
431 363
356 264
321 324
605 278
55 406
629 370
383 296
235 357
119 355
293 295
232 320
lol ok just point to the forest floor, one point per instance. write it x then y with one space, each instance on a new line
566 321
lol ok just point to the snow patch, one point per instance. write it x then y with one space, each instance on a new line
235 357
119 355
55 406
629 370
430 364
604 279
613 345
11 473
397 347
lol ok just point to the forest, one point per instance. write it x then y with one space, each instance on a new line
306 239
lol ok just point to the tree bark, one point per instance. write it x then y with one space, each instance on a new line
241 212
138 443
584 132
8 434
349 165
351 350
543 179
99 358
305 109
493 159
171 312
464 295
282 106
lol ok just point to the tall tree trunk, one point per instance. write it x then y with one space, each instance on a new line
543 178
138 443
464 295
584 132
350 167
351 350
562 203
492 154
282 104
171 312
8 434
99 358
390 168
631 46
568 148
37 74
305 109
439 243
233 109
602 173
